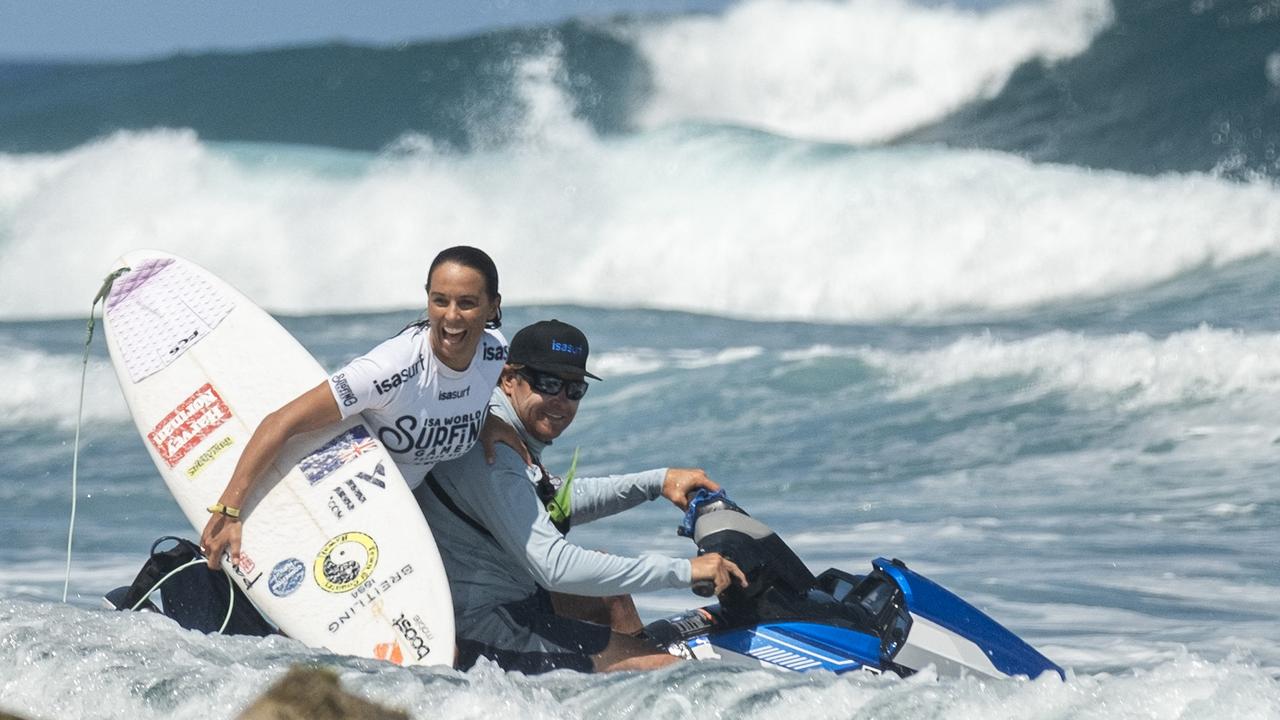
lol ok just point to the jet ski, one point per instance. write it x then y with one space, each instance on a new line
891 619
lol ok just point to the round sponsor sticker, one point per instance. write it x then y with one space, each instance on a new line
286 577
346 562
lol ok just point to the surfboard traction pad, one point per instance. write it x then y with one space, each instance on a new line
159 310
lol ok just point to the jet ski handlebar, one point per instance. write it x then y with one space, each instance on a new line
717 524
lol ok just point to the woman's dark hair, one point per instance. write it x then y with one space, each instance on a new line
468 257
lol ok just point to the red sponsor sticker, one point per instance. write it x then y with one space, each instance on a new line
389 651
190 423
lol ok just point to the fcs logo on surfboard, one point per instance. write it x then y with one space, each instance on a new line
184 343
345 562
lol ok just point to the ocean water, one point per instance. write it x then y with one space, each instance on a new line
991 289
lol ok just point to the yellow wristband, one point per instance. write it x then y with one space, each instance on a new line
220 509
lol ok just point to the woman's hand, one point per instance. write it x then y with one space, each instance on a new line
680 483
497 431
311 410
220 534
718 569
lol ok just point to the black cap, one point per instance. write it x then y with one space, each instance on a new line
551 346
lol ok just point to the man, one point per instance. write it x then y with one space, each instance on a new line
496 527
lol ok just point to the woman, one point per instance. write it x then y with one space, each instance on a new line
424 392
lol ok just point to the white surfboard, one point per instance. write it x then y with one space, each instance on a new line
335 550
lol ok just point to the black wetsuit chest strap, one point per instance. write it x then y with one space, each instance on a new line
448 502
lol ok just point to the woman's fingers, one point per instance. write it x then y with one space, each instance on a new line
221 534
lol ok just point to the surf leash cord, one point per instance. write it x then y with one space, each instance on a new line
231 589
75 455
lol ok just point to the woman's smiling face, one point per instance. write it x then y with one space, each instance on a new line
458 306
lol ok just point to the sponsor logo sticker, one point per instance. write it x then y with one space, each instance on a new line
209 456
345 562
337 452
184 343
286 577
415 633
243 570
389 652
366 594
348 495
188 424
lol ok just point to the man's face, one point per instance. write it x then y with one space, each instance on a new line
543 414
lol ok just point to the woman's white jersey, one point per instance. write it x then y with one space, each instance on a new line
422 411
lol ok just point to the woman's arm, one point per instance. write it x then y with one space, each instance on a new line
311 410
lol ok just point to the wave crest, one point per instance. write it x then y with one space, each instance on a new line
699 219
855 71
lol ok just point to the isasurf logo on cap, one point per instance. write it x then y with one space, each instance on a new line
566 347
552 346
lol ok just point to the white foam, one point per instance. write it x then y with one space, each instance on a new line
641 361
1272 68
56 657
542 116
549 120
1232 509
1133 370
709 221
851 70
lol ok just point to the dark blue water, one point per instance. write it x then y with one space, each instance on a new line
1168 85
460 93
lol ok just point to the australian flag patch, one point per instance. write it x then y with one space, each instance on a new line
337 452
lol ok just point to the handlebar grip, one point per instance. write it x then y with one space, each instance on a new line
704 588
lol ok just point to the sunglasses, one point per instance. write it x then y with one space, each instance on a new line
547 384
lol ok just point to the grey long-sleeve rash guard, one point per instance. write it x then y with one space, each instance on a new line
526 550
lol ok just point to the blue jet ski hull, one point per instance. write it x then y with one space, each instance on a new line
892 619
